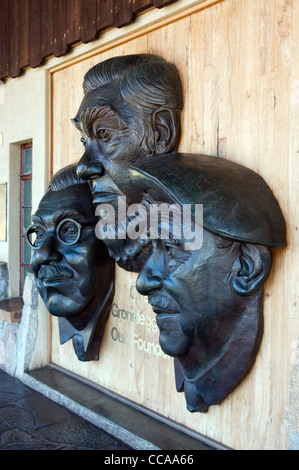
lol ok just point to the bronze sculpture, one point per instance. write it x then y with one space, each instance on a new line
74 273
209 301
129 120
131 109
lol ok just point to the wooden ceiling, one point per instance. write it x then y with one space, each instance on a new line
32 30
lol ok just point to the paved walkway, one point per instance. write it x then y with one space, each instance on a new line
30 421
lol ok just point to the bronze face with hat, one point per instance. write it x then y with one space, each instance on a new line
209 301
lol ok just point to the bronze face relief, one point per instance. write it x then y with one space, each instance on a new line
208 298
74 272
131 110
209 301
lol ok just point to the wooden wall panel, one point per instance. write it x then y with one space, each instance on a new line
239 66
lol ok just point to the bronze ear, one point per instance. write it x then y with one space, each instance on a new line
251 269
164 130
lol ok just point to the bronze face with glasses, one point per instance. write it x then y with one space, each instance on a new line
68 232
74 272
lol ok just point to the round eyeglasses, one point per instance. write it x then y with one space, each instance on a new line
68 231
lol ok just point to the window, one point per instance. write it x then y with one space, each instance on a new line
26 208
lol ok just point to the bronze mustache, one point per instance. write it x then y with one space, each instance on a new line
163 302
53 271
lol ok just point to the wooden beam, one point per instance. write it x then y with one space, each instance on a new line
123 13
35 33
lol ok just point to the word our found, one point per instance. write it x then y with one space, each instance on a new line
137 318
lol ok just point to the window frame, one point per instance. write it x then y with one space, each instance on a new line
23 177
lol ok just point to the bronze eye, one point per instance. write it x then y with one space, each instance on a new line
102 134
69 231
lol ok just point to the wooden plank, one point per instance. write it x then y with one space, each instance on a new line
60 46
197 84
73 21
14 66
47 31
88 17
35 33
4 39
23 25
140 5
162 3
267 37
123 13
105 14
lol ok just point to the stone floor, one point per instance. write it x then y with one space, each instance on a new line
30 421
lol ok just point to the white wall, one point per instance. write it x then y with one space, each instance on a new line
23 118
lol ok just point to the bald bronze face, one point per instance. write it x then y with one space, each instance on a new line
72 266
